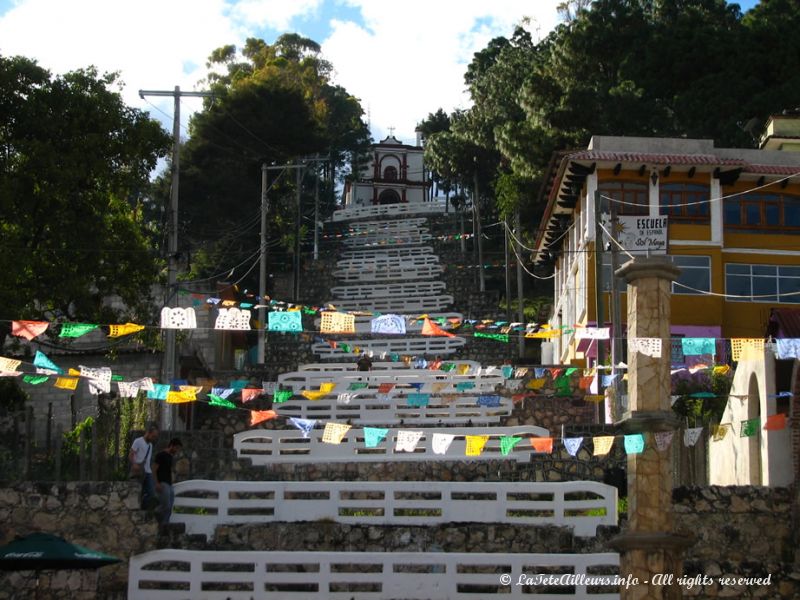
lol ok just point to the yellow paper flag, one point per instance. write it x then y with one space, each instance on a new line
324 389
602 444
126 329
9 365
181 397
334 432
536 384
475 444
66 383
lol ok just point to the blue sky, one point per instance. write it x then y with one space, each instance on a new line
403 60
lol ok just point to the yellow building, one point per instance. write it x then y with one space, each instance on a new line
733 229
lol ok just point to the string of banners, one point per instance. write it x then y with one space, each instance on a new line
232 318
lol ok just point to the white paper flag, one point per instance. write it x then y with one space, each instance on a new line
233 319
647 346
690 436
441 442
592 333
178 318
99 379
407 440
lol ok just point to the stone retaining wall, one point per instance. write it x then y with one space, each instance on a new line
99 515
738 532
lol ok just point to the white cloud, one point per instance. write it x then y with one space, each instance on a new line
277 14
406 61
409 59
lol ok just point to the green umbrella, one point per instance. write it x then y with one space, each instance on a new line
43 551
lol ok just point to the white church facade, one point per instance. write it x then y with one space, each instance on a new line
395 174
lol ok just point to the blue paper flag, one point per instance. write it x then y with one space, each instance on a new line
634 443
239 384
508 371
304 425
222 392
573 445
464 385
418 399
290 321
41 361
374 436
159 391
697 346
492 400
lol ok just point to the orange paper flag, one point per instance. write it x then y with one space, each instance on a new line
543 445
28 329
431 328
775 422
258 416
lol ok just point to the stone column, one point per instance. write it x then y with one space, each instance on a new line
649 546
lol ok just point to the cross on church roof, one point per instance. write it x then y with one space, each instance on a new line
391 131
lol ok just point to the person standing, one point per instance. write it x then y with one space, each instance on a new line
141 459
163 475
364 363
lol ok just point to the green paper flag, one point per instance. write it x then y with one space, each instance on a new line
750 427
507 443
279 396
563 387
500 337
75 330
219 401
357 385
35 379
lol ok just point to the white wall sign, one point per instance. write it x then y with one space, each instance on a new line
643 234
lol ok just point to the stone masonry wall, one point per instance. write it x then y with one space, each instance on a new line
100 515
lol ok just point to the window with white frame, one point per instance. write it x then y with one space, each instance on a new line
695 274
762 283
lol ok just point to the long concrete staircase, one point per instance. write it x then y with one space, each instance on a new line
401 507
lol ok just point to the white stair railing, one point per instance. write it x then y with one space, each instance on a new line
583 505
360 409
473 366
387 210
382 253
432 346
282 575
309 379
379 274
399 305
386 225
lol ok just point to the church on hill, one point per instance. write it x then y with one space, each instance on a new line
395 174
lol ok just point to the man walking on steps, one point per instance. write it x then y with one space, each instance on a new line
141 459
164 491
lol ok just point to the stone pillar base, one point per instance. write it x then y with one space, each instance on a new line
654 561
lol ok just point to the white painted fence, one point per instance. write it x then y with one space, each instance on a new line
202 505
387 290
419 305
474 366
379 274
388 262
432 346
386 252
312 379
388 239
386 225
362 409
273 446
281 575
364 322
353 213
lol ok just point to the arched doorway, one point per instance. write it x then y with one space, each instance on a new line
390 173
388 197
754 442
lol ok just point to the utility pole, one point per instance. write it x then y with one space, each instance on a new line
520 299
508 270
598 291
316 210
169 365
616 311
476 205
262 271
298 216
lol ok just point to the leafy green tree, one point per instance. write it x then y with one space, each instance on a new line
74 168
273 104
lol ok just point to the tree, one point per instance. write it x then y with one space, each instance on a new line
273 104
74 168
